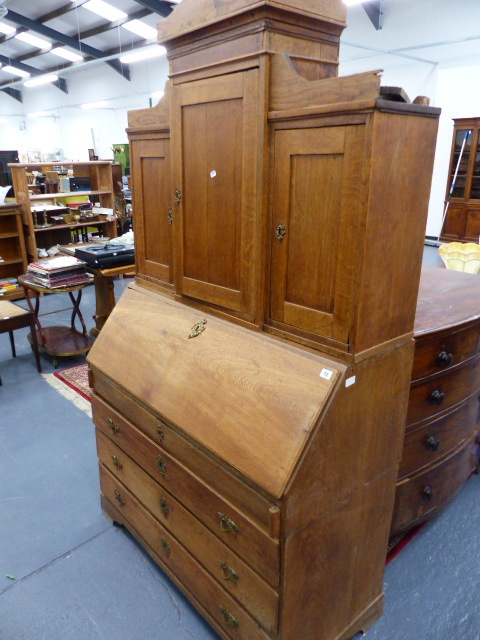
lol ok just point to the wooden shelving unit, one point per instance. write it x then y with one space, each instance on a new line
102 192
12 247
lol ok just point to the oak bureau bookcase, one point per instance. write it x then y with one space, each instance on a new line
250 387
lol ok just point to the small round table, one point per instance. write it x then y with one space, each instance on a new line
58 340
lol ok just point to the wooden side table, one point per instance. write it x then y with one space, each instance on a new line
57 340
104 293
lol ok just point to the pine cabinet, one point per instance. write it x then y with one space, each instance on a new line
40 231
462 218
13 256
272 322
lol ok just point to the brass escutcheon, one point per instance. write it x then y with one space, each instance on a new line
170 216
161 466
227 525
280 231
228 573
113 427
198 328
116 462
165 547
229 619
119 498
160 434
164 507
177 195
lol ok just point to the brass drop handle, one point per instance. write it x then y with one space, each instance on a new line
165 547
428 493
280 231
230 621
437 397
164 507
432 443
116 462
228 573
227 525
119 498
112 426
444 359
161 466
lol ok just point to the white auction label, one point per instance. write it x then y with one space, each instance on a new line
350 381
213 174
326 373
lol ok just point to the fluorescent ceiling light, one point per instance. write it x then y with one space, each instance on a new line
39 114
95 105
66 54
158 94
36 82
350 3
15 72
143 54
6 29
140 29
104 9
33 40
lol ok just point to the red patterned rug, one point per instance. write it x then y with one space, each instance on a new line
76 378
72 383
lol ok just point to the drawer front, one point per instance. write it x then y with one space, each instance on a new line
226 567
434 440
419 497
440 354
434 396
120 406
179 564
221 517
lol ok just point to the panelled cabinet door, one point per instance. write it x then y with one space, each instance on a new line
152 207
316 226
215 125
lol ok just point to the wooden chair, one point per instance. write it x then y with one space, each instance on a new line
13 317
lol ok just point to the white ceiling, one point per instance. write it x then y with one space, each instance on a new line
436 32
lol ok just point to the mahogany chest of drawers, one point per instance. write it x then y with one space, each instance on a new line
439 452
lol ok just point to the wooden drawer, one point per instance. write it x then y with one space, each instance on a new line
120 406
434 440
440 354
230 525
442 392
418 497
226 567
191 577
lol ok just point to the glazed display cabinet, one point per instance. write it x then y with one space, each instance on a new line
462 219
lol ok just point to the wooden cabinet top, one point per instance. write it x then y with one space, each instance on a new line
242 396
446 299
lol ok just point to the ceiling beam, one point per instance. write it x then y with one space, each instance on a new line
14 93
60 83
68 41
163 9
373 9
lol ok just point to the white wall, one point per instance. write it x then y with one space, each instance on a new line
71 128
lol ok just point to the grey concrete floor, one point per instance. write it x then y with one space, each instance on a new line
78 576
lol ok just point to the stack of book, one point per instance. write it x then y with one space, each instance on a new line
8 284
65 271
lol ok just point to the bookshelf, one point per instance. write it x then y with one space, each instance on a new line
12 249
39 210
